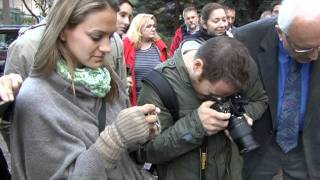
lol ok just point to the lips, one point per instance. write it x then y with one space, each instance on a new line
192 25
221 30
123 29
98 58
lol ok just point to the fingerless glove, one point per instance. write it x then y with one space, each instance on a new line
129 129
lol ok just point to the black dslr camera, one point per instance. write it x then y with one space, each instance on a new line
238 127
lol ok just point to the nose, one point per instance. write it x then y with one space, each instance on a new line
105 45
153 28
223 24
314 54
126 21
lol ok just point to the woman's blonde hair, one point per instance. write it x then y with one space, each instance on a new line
138 22
67 13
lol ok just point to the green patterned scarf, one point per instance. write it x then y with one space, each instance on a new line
96 80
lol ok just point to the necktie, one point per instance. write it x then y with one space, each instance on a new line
288 124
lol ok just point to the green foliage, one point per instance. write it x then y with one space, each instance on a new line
166 38
164 12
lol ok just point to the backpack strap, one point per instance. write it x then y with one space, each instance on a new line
165 91
169 99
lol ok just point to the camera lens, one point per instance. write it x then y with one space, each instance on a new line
241 133
239 129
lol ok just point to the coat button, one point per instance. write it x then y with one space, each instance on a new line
172 63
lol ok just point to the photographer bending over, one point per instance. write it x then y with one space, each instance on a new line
219 68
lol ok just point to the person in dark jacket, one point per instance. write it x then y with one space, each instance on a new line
286 51
195 77
9 85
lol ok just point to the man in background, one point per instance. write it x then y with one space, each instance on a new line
231 17
190 26
275 7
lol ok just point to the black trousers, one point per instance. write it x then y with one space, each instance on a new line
4 172
292 164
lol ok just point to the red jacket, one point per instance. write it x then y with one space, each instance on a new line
178 37
130 59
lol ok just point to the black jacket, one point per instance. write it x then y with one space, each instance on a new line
262 40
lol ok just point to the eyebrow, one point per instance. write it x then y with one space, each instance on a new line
295 46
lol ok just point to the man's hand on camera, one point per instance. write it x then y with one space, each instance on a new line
249 119
212 120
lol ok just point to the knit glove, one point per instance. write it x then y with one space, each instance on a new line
129 129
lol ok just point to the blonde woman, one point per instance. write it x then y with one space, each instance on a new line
143 50
68 122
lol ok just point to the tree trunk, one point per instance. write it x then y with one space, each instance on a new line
6 12
177 14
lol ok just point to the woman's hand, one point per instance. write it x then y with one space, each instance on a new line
9 86
152 112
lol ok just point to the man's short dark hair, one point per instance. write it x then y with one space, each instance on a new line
274 3
120 2
230 7
226 59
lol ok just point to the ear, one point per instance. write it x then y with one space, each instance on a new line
197 67
281 34
203 24
62 35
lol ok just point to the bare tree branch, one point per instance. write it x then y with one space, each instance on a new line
30 11
42 5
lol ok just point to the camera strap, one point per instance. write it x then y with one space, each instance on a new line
102 117
203 158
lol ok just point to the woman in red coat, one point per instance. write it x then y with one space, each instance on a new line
143 50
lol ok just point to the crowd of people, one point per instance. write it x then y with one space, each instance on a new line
79 106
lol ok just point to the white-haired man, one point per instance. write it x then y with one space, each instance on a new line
286 50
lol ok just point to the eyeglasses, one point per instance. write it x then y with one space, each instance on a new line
299 50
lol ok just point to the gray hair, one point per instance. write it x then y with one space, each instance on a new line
291 9
188 9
